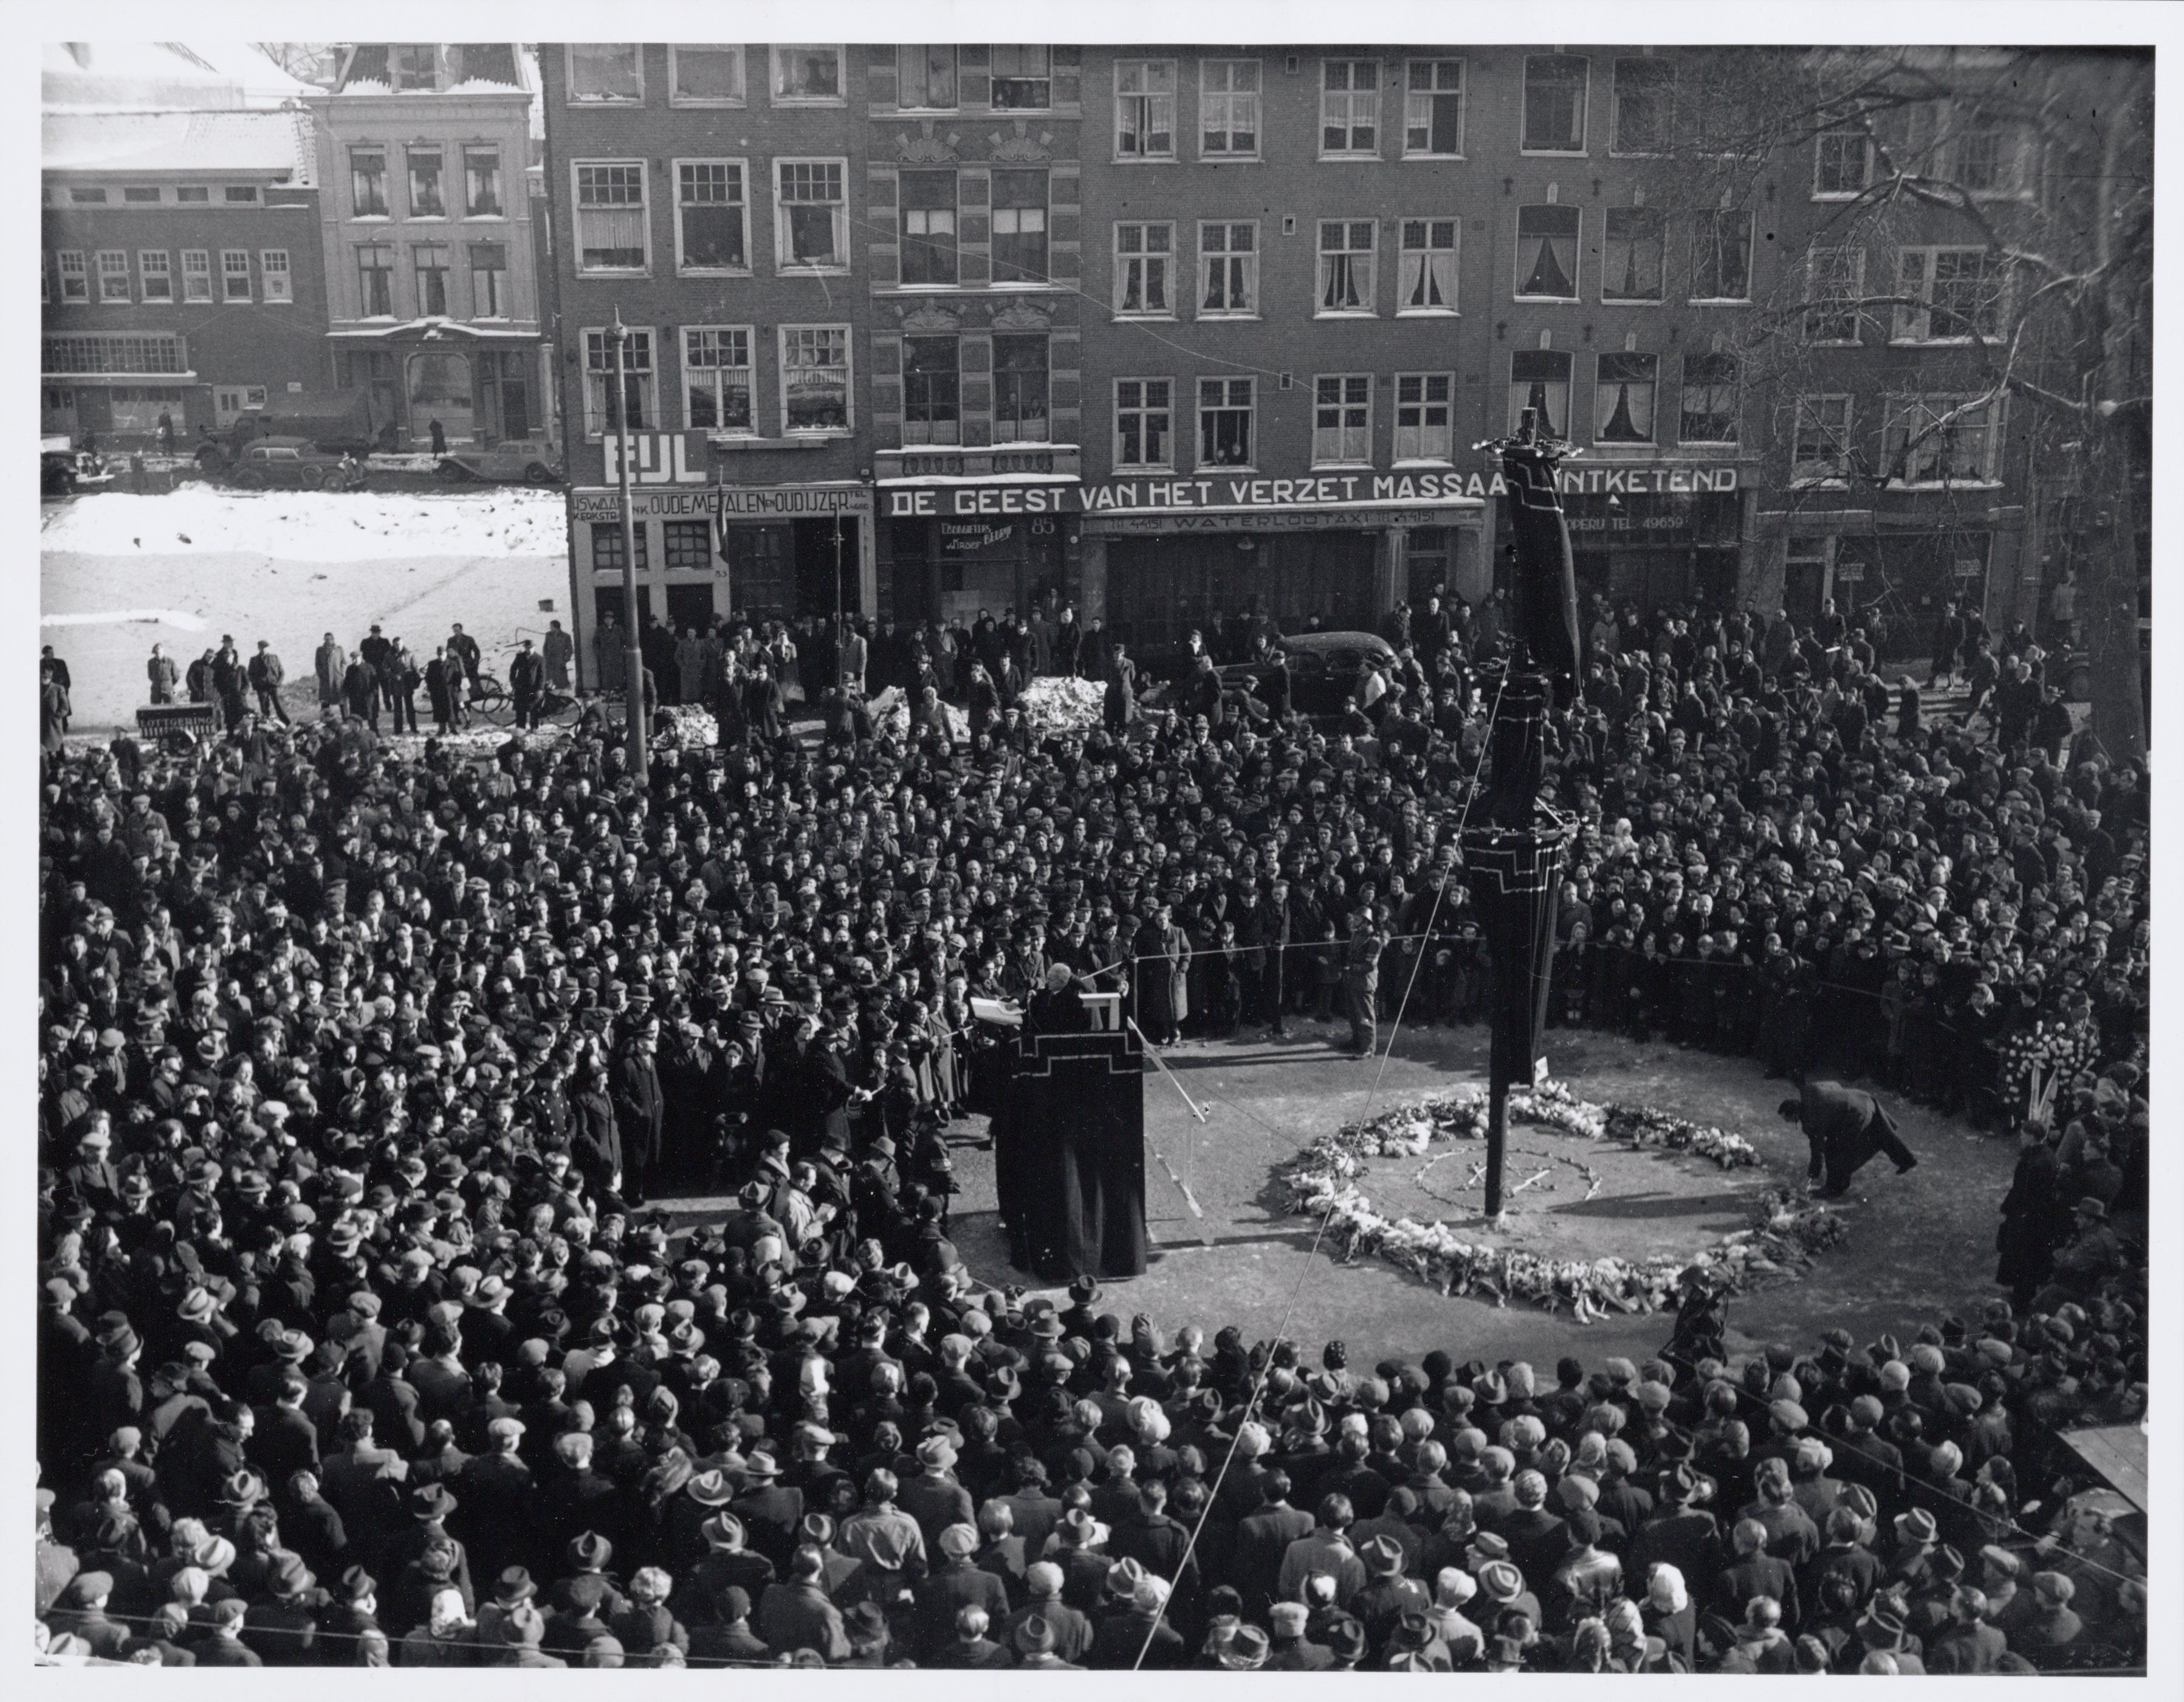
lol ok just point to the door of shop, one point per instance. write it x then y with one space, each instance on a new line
826 577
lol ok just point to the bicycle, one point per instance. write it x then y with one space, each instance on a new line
492 701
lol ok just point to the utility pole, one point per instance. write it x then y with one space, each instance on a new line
633 665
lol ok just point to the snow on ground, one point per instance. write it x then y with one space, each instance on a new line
310 526
119 572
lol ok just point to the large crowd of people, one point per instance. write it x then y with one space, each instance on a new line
363 1067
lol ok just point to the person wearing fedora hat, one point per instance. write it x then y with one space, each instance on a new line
955 1583
1033 1637
794 1612
771 1511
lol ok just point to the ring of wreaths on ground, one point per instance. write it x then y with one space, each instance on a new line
1784 1234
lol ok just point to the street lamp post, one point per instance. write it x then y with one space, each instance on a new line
633 664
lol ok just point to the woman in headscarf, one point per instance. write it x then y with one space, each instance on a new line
1668 1614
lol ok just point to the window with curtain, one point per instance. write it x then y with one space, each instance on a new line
1427 284
425 200
1539 378
1623 398
1555 88
925 77
481 182
611 216
1546 252
1020 224
1144 109
1630 254
600 412
429 260
1229 108
1229 251
489 298
1224 421
928 228
1432 109
1349 106
1347 251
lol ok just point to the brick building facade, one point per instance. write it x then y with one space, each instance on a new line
181 272
1161 330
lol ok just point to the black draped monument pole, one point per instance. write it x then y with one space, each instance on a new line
1513 844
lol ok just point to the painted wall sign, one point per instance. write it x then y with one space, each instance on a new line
727 502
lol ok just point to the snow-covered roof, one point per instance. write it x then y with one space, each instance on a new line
167 143
166 74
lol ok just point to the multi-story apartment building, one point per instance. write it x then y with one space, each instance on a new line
1894 310
1161 330
180 270
425 151
704 195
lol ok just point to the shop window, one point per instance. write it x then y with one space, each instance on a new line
425 200
1229 108
1644 94
1020 226
1623 398
807 74
706 75
815 378
716 378
1144 109
1228 255
1350 109
1540 379
1347 248
686 544
1342 419
1708 407
932 391
1721 255
1546 252
928 228
1020 388
710 227
607 555
925 77
1143 255
1555 89
1820 452
1023 78
1225 421
1630 256
1427 284
1432 109
1424 416
812 215
611 234
601 414
601 72
1143 422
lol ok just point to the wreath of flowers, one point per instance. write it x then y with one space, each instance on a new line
2048 1052
1785 1233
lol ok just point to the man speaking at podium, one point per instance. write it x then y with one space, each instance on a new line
1056 1008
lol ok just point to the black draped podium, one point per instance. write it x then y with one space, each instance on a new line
1069 1155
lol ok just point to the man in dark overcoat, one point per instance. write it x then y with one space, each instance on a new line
1845 1128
